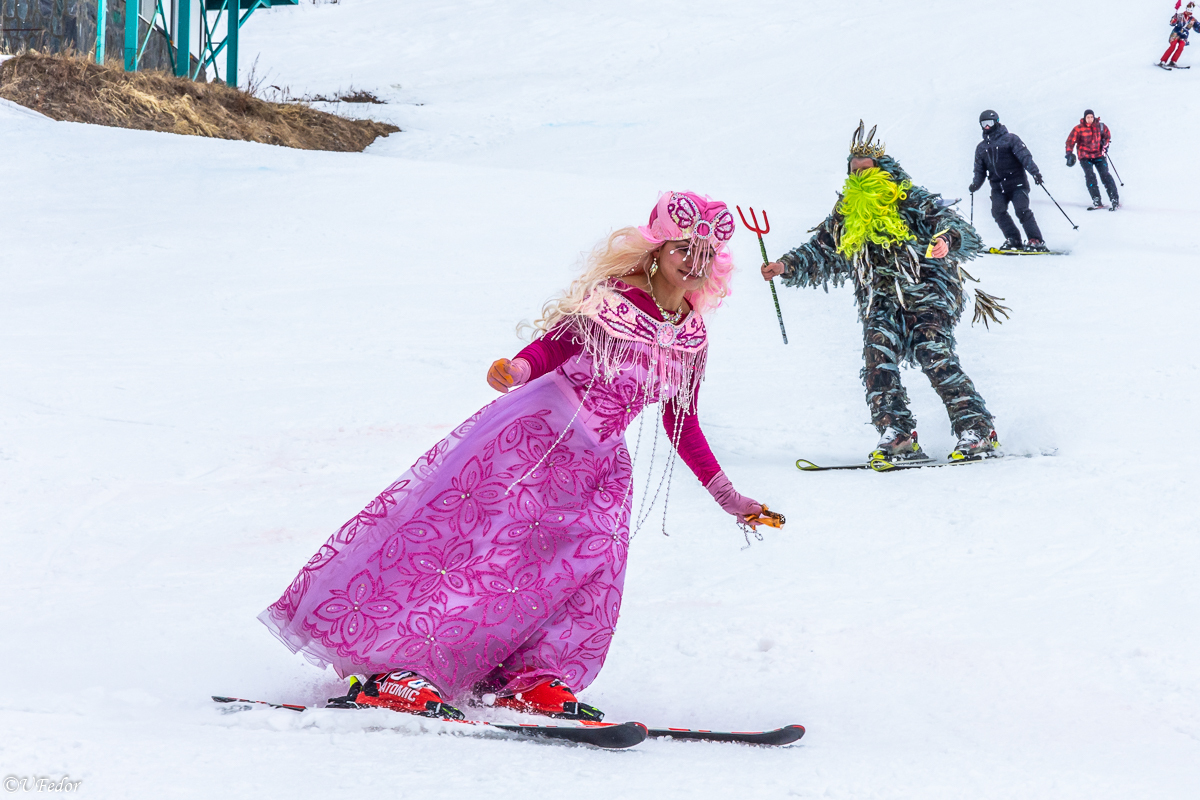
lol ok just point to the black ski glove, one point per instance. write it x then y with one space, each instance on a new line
1070 159
1037 178
974 187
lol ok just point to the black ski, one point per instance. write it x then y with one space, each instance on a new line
996 251
804 465
775 738
609 735
876 465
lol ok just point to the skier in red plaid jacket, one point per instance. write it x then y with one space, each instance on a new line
1091 138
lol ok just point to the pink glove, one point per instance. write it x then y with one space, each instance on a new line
519 369
506 375
728 499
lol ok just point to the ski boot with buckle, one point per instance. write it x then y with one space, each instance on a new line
1035 246
551 698
973 445
897 447
400 690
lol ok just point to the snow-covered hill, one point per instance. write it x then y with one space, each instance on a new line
213 353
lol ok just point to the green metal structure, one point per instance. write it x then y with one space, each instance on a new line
174 20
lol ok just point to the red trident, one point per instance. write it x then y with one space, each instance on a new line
766 228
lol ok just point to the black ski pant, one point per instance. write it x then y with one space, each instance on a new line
1018 195
1101 165
927 336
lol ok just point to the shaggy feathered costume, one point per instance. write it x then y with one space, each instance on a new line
908 304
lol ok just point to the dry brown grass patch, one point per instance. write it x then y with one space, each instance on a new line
77 90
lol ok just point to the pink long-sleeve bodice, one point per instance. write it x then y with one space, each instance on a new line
554 349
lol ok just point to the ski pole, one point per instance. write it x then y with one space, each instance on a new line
972 208
766 228
1114 166
1060 208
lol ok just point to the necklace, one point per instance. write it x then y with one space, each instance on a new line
672 317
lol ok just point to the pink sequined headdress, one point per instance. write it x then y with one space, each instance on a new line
698 219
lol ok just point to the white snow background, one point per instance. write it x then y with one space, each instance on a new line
214 353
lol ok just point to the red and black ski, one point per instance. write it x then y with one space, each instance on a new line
775 738
609 735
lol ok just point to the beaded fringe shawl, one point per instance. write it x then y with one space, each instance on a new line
618 334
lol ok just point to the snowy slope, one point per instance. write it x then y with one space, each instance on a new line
200 384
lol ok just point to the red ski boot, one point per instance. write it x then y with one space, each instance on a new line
405 691
551 698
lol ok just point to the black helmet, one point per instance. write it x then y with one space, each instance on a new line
989 114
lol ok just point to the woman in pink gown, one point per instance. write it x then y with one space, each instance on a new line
495 565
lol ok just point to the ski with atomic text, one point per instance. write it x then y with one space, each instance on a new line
609 735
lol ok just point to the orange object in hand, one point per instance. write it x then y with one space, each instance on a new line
506 375
499 377
767 517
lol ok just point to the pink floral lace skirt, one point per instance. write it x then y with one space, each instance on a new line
497 560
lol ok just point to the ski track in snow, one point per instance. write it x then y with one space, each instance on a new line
214 353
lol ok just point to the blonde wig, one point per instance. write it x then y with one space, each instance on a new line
624 253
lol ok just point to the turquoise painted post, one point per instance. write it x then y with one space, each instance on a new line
131 35
183 38
231 44
101 26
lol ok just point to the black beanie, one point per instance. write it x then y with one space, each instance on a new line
1087 111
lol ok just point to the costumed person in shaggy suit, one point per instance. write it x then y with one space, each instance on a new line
495 565
1003 159
1092 137
903 248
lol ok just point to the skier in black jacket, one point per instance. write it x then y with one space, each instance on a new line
1003 158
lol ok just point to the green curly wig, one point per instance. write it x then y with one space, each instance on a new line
869 211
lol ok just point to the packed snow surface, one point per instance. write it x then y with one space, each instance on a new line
214 353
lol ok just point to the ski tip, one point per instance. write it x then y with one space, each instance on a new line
289 706
776 738
796 732
806 465
619 736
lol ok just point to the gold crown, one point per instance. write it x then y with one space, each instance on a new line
865 146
